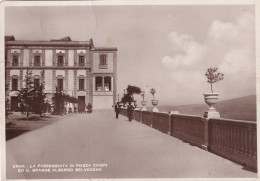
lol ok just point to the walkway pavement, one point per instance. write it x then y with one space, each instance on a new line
130 150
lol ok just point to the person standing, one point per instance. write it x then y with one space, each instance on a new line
130 109
117 109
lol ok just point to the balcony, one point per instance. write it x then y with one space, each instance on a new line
103 66
15 64
37 64
60 64
81 64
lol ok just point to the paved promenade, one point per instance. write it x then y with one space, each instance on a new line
130 150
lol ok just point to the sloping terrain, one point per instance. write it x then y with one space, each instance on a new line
242 108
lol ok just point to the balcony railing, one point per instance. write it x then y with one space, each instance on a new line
37 64
103 66
15 64
235 140
60 64
81 64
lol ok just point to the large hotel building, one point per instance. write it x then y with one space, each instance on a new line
77 68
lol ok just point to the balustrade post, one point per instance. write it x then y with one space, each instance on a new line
169 124
141 119
151 120
206 134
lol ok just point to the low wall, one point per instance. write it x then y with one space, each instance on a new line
147 118
123 111
231 139
161 122
189 128
234 139
138 115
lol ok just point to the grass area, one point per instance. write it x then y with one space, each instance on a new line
17 124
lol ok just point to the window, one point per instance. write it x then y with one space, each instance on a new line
99 84
103 61
60 60
15 60
81 61
107 85
37 60
81 84
60 84
14 84
36 83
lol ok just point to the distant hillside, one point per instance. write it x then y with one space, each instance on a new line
242 108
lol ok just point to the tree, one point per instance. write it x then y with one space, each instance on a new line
7 105
7 101
26 94
39 97
213 76
142 94
89 108
129 96
57 102
60 99
153 91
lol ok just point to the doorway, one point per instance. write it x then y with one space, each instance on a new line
81 104
14 104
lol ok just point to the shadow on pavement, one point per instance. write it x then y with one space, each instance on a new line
12 133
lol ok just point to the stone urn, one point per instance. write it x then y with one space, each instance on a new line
135 103
155 103
144 104
136 106
211 100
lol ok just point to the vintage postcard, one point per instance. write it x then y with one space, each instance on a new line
129 90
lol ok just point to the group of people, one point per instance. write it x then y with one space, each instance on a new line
130 109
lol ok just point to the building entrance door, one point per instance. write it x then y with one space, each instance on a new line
14 104
81 104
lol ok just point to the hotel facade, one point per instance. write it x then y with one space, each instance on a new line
77 68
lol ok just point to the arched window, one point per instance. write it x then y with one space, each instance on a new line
81 61
98 84
60 83
37 60
36 81
60 60
107 85
15 60
15 82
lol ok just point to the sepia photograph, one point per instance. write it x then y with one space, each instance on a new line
94 90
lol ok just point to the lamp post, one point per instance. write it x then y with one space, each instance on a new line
124 95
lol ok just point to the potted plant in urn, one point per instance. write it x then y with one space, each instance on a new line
143 102
89 108
213 76
154 101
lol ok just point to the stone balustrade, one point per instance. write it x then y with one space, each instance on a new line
189 128
234 139
138 115
147 118
231 139
161 122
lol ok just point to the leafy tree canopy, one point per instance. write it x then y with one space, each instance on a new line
213 76
129 96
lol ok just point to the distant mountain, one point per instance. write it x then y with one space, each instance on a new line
242 108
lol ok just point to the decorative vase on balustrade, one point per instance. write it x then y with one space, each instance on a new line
144 104
155 103
211 100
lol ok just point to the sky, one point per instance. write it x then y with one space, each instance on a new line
168 48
